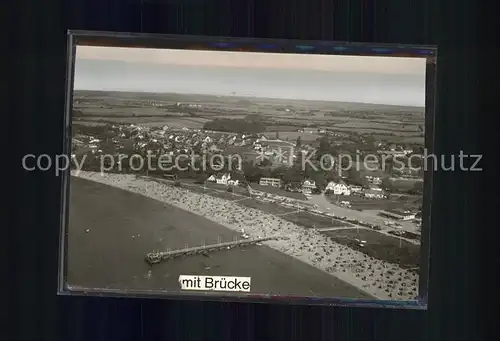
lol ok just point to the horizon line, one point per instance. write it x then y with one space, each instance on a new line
248 96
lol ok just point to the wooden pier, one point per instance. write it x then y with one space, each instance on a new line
157 257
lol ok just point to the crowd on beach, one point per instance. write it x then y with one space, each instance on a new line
378 278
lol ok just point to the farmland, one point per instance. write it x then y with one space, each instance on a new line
290 118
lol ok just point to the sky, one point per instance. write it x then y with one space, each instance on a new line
362 79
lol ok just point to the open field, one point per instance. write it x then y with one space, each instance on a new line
173 122
380 246
367 130
384 126
241 102
110 230
390 122
293 135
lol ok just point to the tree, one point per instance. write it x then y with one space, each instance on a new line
415 162
293 175
298 143
387 165
369 139
326 148
319 178
387 184
279 172
265 162
266 172
235 125
197 149
355 178
332 176
324 145
251 172
201 178
418 188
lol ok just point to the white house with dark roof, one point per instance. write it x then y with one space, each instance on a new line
374 194
275 182
308 186
223 179
338 188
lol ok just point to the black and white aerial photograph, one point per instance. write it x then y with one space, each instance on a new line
244 173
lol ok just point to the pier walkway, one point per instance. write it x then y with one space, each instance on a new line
335 228
157 257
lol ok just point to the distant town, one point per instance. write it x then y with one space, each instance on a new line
261 145
266 161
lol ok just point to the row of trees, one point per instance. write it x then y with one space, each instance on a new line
100 131
235 125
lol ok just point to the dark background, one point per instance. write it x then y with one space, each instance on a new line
36 54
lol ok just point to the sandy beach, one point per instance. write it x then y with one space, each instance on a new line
380 279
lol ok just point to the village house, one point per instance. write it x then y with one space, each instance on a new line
233 182
274 182
308 186
374 193
376 180
223 179
395 153
213 148
339 188
356 189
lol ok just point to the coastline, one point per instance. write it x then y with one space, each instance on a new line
368 274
